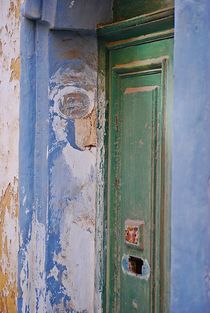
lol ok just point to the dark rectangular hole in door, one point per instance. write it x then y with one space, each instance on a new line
135 265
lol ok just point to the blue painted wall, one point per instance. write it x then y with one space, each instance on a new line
70 244
57 175
57 161
69 14
190 266
33 167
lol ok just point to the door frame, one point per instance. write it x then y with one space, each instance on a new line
146 28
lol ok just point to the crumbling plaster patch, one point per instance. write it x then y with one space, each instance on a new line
8 247
31 279
79 80
100 183
85 129
72 191
73 212
15 69
9 138
9 91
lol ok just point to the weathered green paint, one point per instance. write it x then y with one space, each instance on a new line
139 90
123 9
135 171
131 174
143 28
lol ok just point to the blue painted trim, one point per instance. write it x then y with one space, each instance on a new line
33 166
26 145
68 14
43 10
42 123
31 9
49 12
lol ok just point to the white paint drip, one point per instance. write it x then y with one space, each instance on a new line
72 4
54 273
80 162
59 126
32 276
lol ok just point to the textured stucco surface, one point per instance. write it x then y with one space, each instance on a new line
190 239
57 170
9 138
58 175
72 166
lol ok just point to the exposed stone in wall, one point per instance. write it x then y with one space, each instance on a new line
9 130
8 247
15 69
85 131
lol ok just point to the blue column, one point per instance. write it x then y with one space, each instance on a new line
190 263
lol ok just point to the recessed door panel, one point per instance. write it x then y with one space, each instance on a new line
138 129
139 94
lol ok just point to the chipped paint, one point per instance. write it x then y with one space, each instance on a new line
139 39
72 177
31 280
14 9
100 183
9 137
56 258
139 89
85 131
75 102
15 69
146 62
67 82
8 247
1 51
71 4
9 37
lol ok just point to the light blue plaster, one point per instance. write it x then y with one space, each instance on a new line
69 14
26 146
190 264
31 9
52 197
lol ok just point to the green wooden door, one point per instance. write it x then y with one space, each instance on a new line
140 95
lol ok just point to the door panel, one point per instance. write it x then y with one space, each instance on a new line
140 93
138 124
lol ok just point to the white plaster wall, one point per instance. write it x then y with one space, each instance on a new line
9 90
9 137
